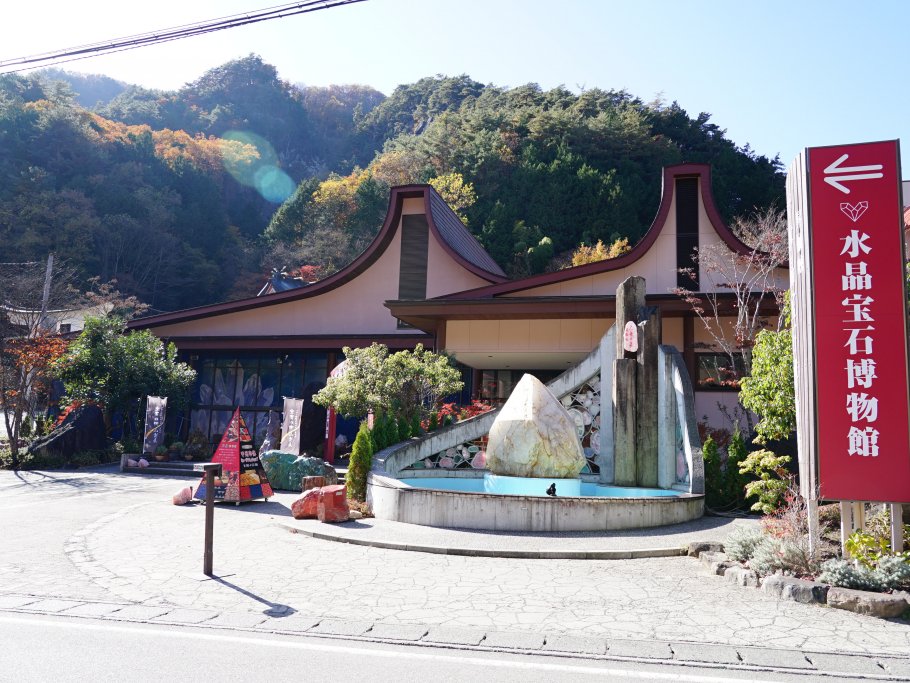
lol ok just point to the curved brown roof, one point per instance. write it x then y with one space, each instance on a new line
702 171
457 240
448 228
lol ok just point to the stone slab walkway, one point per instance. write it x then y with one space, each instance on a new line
109 545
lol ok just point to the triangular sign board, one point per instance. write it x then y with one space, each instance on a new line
242 475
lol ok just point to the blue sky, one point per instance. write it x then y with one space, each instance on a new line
777 75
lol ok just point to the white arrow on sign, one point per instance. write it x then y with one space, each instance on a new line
842 174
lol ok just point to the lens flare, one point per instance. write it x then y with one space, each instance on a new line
263 173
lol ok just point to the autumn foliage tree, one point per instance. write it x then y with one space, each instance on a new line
600 251
23 374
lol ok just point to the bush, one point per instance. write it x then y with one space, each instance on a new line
773 479
867 549
848 575
781 555
734 479
359 464
894 571
711 455
741 543
88 458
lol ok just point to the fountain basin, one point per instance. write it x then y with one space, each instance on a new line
522 486
448 502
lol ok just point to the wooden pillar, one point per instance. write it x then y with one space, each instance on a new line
897 527
646 398
624 422
630 299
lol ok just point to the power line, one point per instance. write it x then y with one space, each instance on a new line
138 40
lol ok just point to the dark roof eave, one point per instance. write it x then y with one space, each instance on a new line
554 307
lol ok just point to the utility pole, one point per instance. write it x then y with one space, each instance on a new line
46 294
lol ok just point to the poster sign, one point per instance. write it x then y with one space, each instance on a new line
153 434
850 308
242 474
290 428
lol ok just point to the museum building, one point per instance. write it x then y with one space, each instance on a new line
425 279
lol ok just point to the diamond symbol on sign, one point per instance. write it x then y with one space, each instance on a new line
854 211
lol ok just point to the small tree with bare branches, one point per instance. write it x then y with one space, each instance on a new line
751 276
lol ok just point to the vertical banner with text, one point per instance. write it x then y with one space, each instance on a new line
290 428
850 322
153 435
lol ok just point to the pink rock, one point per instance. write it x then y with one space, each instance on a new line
143 462
306 506
132 463
183 496
333 504
446 462
480 460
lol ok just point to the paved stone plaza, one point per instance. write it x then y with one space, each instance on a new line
113 546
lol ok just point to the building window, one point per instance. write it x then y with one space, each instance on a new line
65 328
496 385
717 371
687 233
256 383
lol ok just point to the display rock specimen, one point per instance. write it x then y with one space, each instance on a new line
306 506
534 436
183 496
286 470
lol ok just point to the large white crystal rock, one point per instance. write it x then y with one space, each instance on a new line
534 436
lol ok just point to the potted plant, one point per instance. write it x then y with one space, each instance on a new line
175 449
196 445
161 454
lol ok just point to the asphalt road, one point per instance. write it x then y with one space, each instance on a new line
92 650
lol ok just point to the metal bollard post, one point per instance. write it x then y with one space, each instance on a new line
210 470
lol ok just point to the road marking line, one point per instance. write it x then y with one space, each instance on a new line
362 651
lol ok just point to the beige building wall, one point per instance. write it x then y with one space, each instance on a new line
355 307
544 344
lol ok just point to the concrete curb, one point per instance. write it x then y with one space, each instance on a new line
641 553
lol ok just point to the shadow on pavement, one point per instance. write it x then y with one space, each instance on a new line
274 609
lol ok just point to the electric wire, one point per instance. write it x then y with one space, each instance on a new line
132 42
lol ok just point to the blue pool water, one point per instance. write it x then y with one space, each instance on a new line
471 485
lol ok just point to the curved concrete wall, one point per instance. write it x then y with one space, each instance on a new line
390 499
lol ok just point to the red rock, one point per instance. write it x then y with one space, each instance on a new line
305 506
333 504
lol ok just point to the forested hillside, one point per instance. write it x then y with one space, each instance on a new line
180 195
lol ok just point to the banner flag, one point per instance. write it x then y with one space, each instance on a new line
290 428
156 407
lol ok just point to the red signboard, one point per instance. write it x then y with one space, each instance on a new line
860 303
242 475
